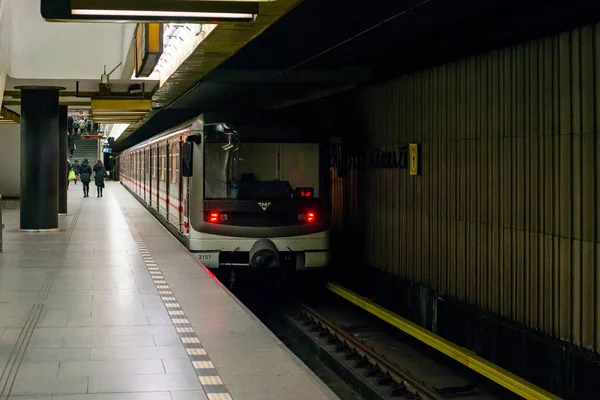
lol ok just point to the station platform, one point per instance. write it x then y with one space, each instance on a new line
112 307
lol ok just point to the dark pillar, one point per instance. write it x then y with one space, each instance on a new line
63 173
39 158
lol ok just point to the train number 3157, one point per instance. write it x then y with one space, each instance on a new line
205 256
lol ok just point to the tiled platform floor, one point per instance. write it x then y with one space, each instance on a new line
81 317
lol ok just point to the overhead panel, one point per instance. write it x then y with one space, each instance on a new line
148 10
148 48
121 111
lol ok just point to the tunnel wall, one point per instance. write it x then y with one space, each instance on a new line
496 243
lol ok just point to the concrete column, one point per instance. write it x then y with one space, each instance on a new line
63 114
39 158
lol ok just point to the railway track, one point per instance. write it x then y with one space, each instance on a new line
380 378
358 356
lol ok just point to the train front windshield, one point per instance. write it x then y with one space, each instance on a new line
261 171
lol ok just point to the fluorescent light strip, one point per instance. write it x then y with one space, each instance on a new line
153 13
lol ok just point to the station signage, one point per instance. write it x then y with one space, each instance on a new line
404 157
397 158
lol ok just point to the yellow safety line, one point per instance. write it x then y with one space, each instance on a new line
464 356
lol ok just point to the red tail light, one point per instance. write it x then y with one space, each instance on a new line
217 217
308 217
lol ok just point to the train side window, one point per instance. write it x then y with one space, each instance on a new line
161 162
154 162
174 157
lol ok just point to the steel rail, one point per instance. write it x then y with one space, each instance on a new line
413 386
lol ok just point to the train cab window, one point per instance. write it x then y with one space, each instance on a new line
260 171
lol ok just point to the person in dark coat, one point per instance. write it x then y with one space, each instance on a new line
86 176
76 168
99 178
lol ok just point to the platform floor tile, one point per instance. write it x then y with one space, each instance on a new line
112 307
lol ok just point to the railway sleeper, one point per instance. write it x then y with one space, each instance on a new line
351 354
398 389
332 339
372 370
315 326
384 379
341 347
361 362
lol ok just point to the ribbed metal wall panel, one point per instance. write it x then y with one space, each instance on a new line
505 213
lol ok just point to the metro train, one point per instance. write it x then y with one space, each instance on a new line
238 195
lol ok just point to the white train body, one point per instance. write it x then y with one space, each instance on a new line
234 203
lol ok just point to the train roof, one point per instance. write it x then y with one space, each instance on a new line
266 124
183 128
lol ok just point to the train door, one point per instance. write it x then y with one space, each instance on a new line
155 180
150 175
136 180
139 173
167 181
184 185
161 179
174 189
178 183
145 155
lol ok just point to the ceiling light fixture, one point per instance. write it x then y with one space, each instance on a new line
165 14
164 11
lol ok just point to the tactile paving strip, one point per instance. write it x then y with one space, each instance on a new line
207 374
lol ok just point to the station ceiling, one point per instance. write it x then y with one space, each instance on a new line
325 47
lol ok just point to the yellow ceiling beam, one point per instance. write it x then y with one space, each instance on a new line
125 111
121 105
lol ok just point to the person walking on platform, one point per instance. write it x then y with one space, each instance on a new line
76 170
82 126
99 178
86 176
69 174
